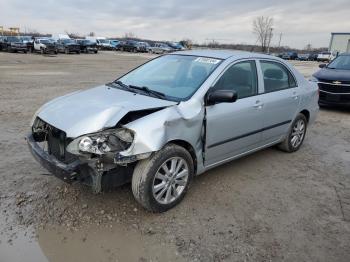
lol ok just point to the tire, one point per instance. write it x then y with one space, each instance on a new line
78 52
293 142
149 174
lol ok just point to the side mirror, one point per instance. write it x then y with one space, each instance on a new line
322 65
221 96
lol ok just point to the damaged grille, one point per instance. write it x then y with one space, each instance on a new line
54 139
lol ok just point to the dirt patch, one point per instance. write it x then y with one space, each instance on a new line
269 206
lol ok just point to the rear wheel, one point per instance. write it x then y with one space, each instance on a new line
296 135
161 182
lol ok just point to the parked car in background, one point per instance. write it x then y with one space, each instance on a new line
87 46
175 45
67 46
161 48
313 56
324 57
290 56
303 57
45 46
14 44
2 43
129 46
143 47
104 44
334 81
172 118
114 44
29 41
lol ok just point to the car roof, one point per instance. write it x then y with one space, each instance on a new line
345 54
222 54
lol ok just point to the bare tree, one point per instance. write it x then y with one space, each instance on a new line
308 47
92 34
262 28
129 35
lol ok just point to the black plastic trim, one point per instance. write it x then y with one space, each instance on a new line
249 134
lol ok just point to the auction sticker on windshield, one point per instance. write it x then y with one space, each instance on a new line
207 60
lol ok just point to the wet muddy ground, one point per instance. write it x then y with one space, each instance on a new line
269 206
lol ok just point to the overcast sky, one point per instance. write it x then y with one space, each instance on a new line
229 21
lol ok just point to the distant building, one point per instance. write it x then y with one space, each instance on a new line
340 43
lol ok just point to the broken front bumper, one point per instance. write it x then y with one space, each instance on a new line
66 172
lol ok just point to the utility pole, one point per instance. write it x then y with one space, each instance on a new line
270 37
279 42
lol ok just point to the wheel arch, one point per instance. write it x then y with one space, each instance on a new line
306 113
188 147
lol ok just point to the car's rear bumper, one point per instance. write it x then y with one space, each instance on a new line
66 172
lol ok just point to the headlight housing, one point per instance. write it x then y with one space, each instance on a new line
113 140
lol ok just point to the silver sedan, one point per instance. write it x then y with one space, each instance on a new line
172 118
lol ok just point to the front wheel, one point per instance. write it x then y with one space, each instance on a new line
296 135
161 181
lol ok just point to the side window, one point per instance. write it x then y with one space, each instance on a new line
276 76
241 77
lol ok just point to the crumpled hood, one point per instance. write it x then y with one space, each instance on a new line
95 109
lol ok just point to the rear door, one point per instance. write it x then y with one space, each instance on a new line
281 99
234 128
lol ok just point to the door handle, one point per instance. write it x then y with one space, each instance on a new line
295 95
258 104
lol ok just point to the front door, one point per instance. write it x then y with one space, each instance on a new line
234 128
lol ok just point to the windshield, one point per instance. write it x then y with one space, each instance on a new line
341 62
176 76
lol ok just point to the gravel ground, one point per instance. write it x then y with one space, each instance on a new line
269 206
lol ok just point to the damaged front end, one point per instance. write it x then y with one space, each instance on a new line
97 136
91 159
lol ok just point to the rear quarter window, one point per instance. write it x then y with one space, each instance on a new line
276 76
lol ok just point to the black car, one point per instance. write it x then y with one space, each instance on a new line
2 43
313 57
67 46
334 81
290 56
14 44
129 45
303 57
87 46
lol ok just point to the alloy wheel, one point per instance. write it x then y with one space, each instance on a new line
298 133
170 180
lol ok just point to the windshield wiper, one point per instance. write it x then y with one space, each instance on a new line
132 88
149 91
121 84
